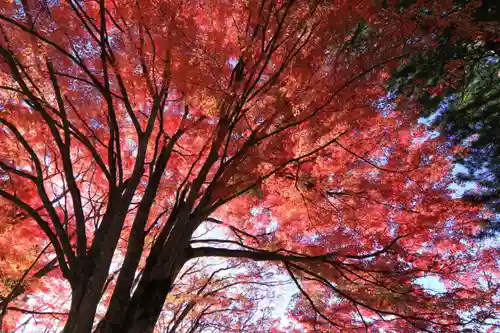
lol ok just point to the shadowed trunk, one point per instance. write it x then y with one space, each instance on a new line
145 309
148 299
162 267
89 280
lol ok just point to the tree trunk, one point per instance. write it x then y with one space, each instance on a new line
85 296
91 276
156 282
78 319
146 308
140 312
149 297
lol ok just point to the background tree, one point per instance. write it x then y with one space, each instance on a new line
457 82
137 126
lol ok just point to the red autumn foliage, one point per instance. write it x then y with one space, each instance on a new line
141 139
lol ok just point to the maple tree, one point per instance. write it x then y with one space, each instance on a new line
129 127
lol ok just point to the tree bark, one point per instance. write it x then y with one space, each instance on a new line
89 278
147 302
146 308
76 322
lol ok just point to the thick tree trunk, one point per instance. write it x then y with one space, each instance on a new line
162 268
146 304
146 308
121 295
85 296
149 297
140 312
92 273
77 320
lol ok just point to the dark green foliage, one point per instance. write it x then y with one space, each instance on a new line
457 84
